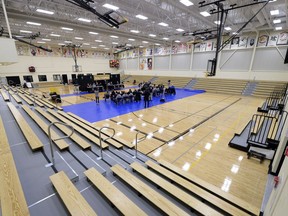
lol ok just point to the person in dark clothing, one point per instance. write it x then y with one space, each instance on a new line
96 95
146 98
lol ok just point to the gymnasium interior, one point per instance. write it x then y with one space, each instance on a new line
191 117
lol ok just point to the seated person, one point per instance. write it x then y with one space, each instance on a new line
106 95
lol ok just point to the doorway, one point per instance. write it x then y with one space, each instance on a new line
13 80
64 79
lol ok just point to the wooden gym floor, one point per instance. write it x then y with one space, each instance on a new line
211 121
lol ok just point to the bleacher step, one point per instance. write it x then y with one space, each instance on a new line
267 152
62 165
123 155
89 162
239 141
140 156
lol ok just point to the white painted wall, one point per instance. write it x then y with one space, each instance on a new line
54 65
277 204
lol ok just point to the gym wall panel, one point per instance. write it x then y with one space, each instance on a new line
181 61
161 62
54 65
270 59
123 64
200 60
235 60
132 64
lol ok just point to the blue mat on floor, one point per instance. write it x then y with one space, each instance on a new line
92 112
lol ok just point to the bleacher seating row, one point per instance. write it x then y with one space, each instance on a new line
215 85
216 201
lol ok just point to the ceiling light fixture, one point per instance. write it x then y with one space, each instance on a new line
86 44
68 29
41 42
186 2
45 11
61 44
228 28
78 38
94 47
165 38
94 33
180 30
278 28
276 21
131 39
99 41
205 13
152 35
46 39
113 36
157 44
25 31
145 42
55 35
163 24
139 16
114 43
134 31
102 45
68 41
34 23
177 41
274 12
217 22
84 20
112 7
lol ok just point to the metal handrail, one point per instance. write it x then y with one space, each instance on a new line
100 132
136 143
64 137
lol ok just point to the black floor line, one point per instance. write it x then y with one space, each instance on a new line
197 125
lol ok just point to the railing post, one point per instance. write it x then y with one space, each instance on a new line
136 144
51 141
101 148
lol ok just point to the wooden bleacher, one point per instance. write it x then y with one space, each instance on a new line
223 86
75 137
150 194
48 105
91 130
38 103
138 79
113 194
16 98
61 144
46 84
27 100
178 82
118 139
204 195
72 198
32 139
211 188
12 197
80 130
178 193
265 88
4 95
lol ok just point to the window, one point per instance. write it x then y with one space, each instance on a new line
28 78
42 78
56 77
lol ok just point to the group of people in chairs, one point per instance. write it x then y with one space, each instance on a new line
146 89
